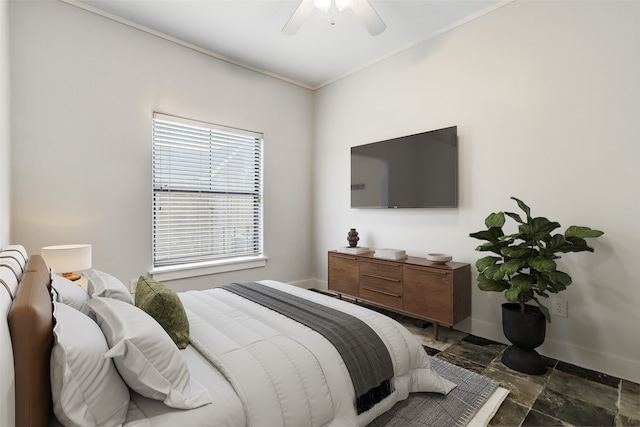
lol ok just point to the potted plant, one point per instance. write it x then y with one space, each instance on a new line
523 266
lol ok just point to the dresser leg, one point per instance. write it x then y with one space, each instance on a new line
436 329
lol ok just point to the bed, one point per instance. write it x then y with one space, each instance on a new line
245 363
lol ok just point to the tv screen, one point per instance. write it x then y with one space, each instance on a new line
415 171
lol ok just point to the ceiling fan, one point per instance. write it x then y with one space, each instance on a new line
362 8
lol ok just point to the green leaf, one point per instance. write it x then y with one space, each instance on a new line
512 294
542 264
559 278
490 247
490 285
577 244
513 265
556 281
487 261
493 234
541 289
544 310
541 227
583 232
522 282
524 208
515 252
558 244
542 283
515 217
494 272
511 238
495 219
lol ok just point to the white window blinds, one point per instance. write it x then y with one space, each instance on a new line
207 192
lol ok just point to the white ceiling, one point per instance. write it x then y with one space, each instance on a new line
248 32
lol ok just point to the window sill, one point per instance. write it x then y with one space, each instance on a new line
206 268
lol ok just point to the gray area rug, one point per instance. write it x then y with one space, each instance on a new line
435 410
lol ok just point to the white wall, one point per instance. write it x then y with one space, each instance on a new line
84 89
545 97
7 377
4 125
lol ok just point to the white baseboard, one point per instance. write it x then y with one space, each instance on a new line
607 363
308 284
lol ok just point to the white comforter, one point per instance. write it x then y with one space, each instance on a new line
287 374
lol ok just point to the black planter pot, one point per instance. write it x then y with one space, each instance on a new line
525 331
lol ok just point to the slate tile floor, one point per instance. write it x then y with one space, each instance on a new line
566 395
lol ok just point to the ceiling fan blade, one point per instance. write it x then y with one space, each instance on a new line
301 13
369 17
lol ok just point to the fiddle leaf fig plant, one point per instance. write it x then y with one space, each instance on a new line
522 265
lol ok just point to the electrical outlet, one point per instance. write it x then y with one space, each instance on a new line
559 307
133 284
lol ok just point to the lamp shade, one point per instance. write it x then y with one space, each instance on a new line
67 258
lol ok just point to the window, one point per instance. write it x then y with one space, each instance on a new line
207 193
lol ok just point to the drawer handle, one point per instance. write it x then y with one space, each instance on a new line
423 270
344 256
381 292
381 277
384 264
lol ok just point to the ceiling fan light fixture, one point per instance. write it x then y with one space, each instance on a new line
362 9
323 5
343 4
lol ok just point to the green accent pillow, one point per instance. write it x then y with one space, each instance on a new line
164 305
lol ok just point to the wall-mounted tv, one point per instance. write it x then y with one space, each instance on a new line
414 171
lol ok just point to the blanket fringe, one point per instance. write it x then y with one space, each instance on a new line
373 396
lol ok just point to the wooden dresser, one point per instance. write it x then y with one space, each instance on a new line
440 293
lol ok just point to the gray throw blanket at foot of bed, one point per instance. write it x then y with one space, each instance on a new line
363 352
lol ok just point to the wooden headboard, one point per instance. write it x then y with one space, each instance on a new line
31 326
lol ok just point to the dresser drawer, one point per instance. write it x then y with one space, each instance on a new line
381 283
388 298
381 269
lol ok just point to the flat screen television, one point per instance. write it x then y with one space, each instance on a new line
414 171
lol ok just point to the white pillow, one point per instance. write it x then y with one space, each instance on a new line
18 248
18 252
146 357
8 277
69 293
102 284
85 386
12 264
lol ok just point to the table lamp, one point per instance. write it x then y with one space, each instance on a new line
68 259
